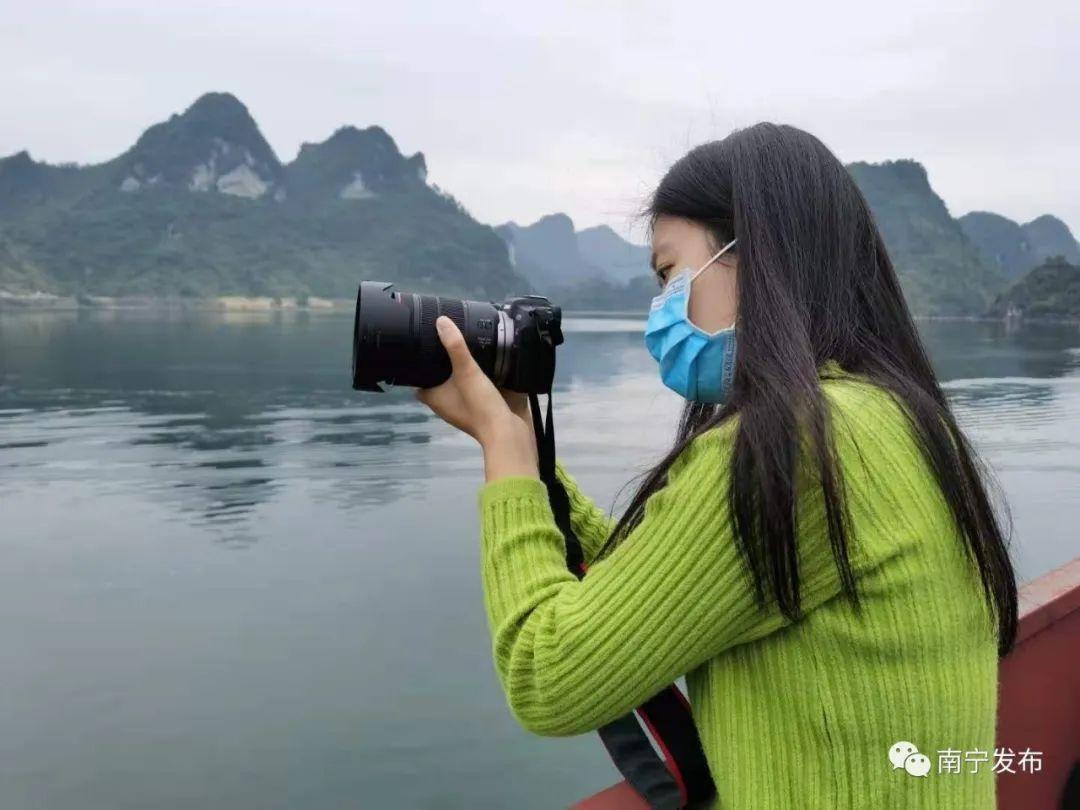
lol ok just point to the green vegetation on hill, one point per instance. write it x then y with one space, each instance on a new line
207 245
200 206
1051 290
216 132
1017 248
1000 241
369 155
1050 237
21 273
937 258
940 270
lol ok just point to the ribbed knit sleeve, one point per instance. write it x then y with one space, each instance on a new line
590 523
573 655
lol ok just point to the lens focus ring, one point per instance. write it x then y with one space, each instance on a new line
431 307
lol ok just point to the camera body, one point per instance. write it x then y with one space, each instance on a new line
395 341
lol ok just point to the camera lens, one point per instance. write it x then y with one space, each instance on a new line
395 341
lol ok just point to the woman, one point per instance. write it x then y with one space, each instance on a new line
817 553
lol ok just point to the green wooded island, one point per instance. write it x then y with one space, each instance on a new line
201 210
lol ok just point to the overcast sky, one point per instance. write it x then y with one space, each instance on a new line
525 108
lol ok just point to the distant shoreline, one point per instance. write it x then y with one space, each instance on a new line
40 301
223 303
45 302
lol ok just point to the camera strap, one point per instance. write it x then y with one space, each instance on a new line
682 777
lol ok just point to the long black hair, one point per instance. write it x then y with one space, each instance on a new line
815 283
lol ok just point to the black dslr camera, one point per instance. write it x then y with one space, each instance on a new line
395 342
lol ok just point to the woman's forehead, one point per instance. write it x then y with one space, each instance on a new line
668 230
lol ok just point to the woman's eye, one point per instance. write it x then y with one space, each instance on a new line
661 275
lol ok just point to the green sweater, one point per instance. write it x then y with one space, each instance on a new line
796 715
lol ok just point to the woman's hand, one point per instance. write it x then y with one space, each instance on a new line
519 406
499 420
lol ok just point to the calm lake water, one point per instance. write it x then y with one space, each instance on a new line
230 581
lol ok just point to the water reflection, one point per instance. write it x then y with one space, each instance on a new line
135 451
990 349
213 415
178 406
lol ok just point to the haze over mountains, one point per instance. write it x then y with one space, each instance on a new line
1015 249
551 251
201 206
946 266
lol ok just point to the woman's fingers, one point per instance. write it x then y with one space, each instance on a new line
461 359
467 399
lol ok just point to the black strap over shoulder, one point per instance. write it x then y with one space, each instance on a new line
681 779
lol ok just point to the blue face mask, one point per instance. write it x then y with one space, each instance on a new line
697 364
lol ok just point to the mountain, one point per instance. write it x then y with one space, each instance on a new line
355 164
619 260
1000 242
1049 237
214 146
551 251
1016 248
1051 290
201 206
940 270
546 251
590 269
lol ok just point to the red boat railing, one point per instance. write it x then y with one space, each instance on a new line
1038 707
1039 703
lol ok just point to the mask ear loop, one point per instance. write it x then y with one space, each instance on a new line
700 270
716 256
